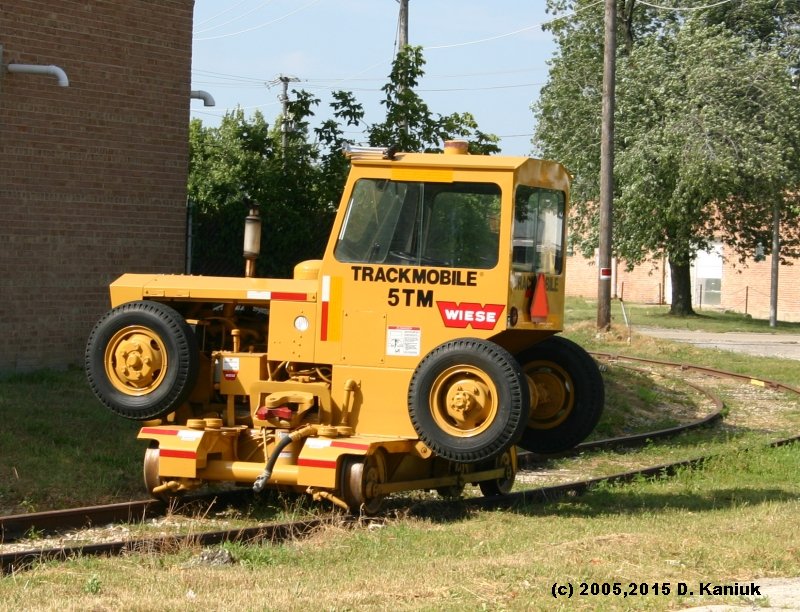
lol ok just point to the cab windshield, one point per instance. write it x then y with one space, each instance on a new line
454 225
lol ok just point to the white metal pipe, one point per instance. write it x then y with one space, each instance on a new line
206 97
51 70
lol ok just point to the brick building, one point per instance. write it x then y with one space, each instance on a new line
716 283
93 174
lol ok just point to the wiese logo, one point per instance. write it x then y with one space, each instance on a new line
470 314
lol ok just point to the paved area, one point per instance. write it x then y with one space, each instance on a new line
776 594
786 346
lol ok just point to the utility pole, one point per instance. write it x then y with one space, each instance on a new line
607 168
402 42
776 260
283 98
402 25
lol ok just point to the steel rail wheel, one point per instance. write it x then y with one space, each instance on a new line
567 395
359 477
454 491
142 360
503 485
468 400
150 473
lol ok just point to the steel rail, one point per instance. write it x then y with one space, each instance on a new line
579 487
18 560
636 440
277 532
759 382
18 526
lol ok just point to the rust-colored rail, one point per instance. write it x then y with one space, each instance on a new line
18 526
15 561
277 532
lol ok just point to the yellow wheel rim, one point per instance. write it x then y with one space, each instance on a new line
554 397
463 401
135 360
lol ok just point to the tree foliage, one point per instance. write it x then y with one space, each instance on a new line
409 123
295 174
705 143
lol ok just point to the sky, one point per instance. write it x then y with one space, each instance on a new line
488 58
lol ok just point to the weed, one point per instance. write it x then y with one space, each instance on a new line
92 585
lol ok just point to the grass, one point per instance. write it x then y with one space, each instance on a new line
723 524
643 315
61 448
581 316
730 521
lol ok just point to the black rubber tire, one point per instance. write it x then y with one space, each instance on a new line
467 359
175 339
585 387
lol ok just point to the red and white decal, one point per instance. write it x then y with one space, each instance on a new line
471 314
288 296
329 464
157 431
277 295
326 304
170 453
350 445
187 435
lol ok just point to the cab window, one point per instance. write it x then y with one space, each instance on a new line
538 230
452 225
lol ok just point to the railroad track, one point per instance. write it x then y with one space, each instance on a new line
15 527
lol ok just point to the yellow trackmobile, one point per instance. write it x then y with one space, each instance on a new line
420 352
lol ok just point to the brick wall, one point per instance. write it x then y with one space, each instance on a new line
744 289
644 284
93 176
747 289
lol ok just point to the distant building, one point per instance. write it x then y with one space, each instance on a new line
94 174
716 283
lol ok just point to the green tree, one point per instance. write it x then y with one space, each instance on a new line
238 165
773 24
347 112
704 144
294 174
410 125
227 166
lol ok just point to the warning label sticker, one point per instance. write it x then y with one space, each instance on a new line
403 341
230 367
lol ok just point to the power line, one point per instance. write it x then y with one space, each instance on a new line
433 90
245 14
262 25
515 32
436 76
228 75
227 10
232 80
685 8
